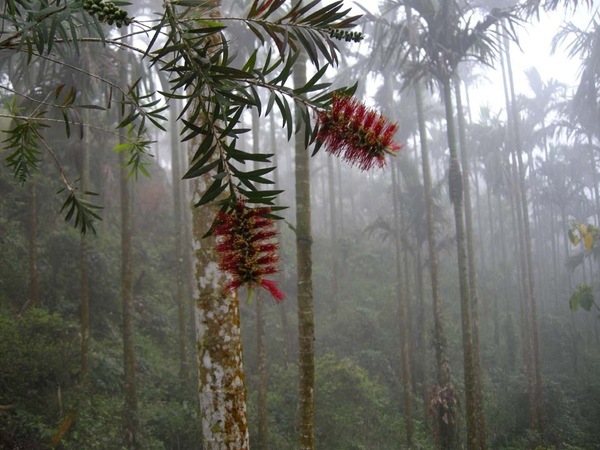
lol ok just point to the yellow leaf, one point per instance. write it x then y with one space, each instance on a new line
588 241
582 229
575 240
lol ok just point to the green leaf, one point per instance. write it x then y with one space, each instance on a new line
213 192
200 168
574 301
242 157
584 297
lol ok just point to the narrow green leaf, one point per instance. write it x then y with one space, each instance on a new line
200 169
213 192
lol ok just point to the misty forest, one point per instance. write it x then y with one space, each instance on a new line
277 224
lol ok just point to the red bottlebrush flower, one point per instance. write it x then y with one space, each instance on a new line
246 248
359 134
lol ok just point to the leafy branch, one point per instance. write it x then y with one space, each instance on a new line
24 139
23 142
216 93
191 48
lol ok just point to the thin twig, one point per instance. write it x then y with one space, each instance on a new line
58 164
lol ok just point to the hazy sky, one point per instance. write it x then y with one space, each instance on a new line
536 51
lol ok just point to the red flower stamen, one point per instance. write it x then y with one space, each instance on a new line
360 135
246 248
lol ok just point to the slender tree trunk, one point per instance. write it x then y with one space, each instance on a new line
180 298
263 430
422 336
405 284
189 275
130 413
445 425
261 350
333 232
306 327
456 196
492 267
131 422
285 328
34 287
555 272
403 325
85 283
479 401
340 197
594 173
519 254
354 214
537 394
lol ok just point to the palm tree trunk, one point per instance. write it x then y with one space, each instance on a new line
479 401
537 394
456 196
402 300
422 326
492 267
445 426
306 327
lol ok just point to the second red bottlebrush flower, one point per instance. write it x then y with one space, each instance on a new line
359 134
247 249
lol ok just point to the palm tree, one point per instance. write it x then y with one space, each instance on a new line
443 44
526 249
402 308
436 42
584 110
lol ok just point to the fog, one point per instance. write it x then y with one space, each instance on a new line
452 291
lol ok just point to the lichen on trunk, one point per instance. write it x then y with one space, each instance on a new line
222 386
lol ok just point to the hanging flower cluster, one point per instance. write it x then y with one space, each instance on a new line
359 134
247 249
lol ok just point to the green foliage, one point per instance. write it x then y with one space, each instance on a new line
190 46
84 211
39 359
583 297
137 158
347 397
23 140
